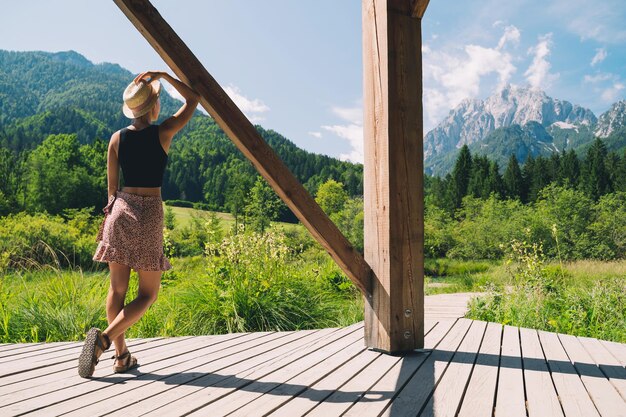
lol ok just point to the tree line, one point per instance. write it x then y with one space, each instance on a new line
598 173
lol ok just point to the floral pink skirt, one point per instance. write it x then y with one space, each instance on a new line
132 232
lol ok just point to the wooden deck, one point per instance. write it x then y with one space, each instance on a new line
472 368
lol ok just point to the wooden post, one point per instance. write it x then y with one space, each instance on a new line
243 134
393 173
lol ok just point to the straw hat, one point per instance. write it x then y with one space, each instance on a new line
140 98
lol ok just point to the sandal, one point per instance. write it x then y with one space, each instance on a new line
131 362
96 343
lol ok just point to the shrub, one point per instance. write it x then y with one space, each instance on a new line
253 284
545 297
27 240
179 203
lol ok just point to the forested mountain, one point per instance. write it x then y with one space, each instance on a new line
519 121
44 94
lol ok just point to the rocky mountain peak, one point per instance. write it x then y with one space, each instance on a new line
611 120
473 119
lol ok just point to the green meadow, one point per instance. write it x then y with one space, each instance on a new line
229 278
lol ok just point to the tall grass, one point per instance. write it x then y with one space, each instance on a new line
46 303
553 298
247 282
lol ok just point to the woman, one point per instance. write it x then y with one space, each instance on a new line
131 235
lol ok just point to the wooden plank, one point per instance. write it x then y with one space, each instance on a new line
405 389
480 395
187 396
301 403
33 349
356 368
604 395
70 392
243 134
446 399
379 380
510 399
393 176
610 366
192 367
66 380
269 391
542 398
14 346
39 354
572 393
618 350
43 377
418 390
41 362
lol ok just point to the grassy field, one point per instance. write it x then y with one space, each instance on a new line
184 215
284 280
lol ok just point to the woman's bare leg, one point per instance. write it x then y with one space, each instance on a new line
120 275
149 283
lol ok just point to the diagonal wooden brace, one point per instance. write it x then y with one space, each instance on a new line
240 130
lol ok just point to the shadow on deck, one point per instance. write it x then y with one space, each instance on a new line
472 368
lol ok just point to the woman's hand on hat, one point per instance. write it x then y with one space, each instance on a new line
148 76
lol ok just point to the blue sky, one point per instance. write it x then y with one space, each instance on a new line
295 66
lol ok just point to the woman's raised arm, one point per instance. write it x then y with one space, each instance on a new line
176 122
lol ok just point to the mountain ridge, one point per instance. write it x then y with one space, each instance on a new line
488 127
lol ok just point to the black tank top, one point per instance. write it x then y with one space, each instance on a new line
142 157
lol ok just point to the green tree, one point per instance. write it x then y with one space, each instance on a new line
494 180
57 178
461 176
263 205
596 181
349 220
169 218
570 168
331 196
513 181
528 172
237 190
620 176
540 177
477 185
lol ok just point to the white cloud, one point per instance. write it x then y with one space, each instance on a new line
176 95
252 108
599 56
350 114
603 76
352 131
538 73
511 34
607 85
612 93
453 76
316 134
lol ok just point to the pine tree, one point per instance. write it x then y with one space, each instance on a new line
540 177
613 163
478 186
554 167
570 169
513 181
494 180
528 172
461 176
263 205
596 181
620 177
